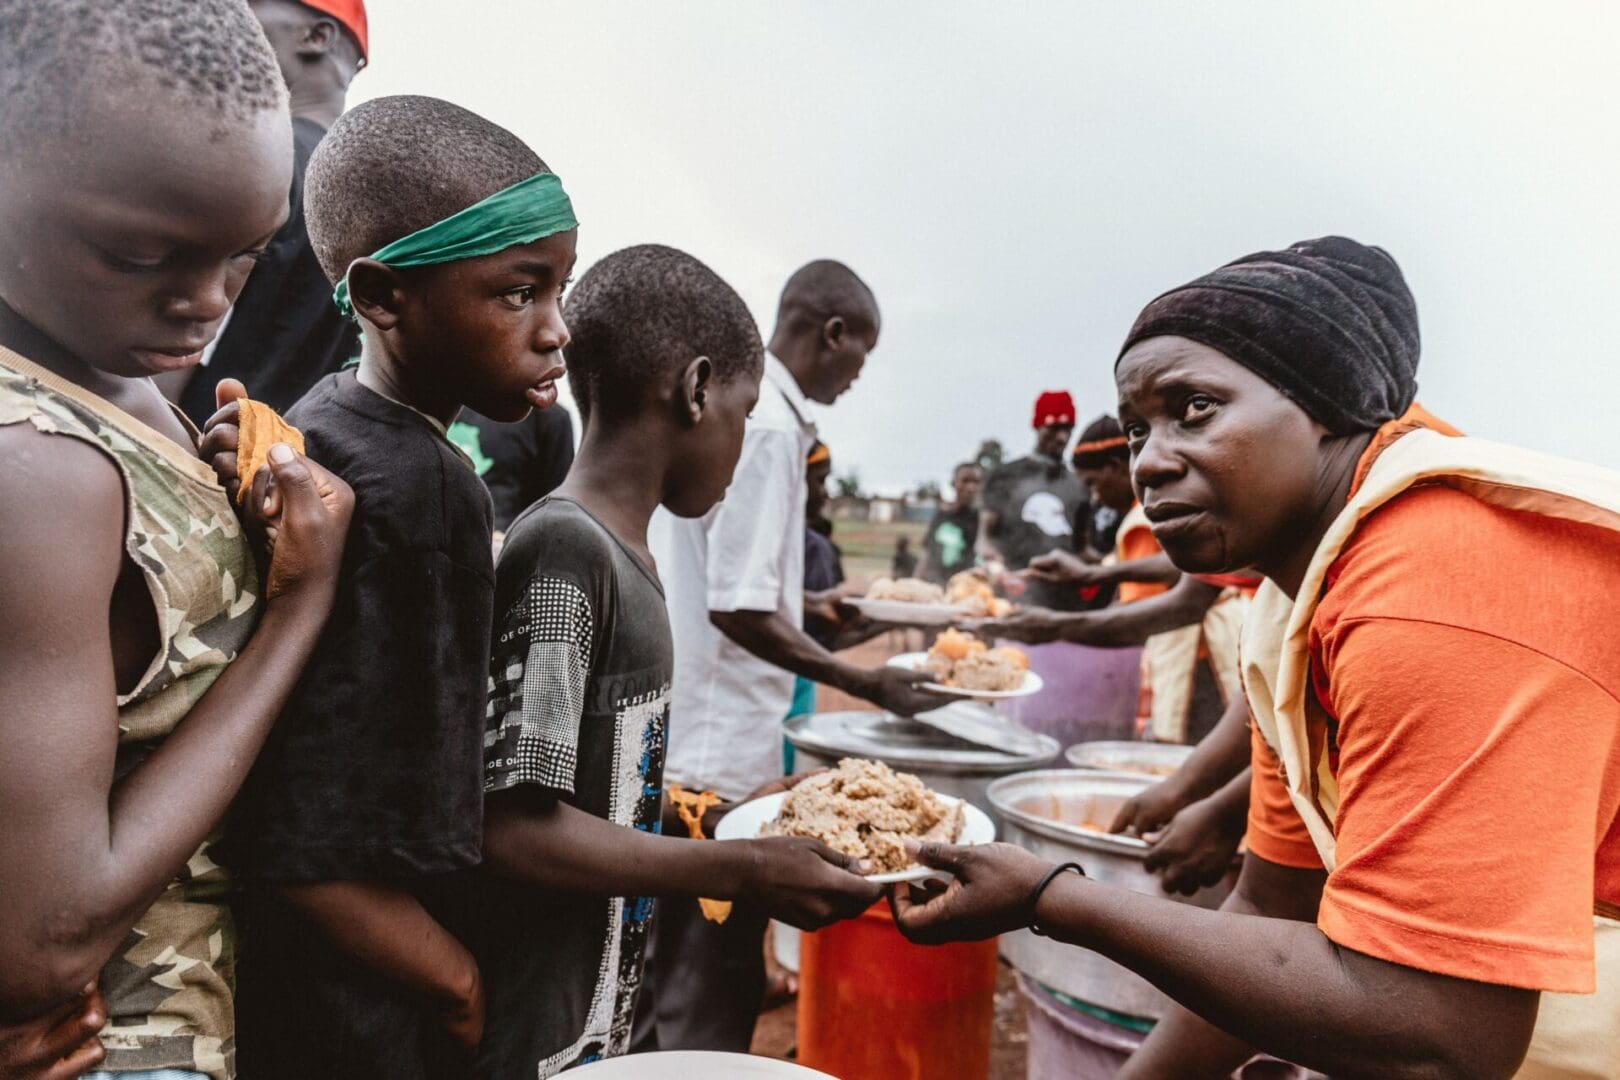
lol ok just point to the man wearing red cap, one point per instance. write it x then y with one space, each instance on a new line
284 333
1030 505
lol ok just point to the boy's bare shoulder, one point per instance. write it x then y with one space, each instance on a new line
64 503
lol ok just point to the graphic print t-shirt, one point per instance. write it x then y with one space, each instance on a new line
579 704
949 542
1036 500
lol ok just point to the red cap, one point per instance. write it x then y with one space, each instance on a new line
1054 407
351 15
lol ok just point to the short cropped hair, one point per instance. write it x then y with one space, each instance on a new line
823 289
393 165
60 54
644 312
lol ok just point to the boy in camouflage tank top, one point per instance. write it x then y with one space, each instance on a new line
144 158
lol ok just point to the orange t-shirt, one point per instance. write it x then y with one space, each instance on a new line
1468 657
1137 543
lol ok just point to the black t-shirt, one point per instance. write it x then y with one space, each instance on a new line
284 332
579 709
949 542
1036 500
822 571
520 463
1101 527
374 768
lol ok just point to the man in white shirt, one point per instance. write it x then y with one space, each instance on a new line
734 583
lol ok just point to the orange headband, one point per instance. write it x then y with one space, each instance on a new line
1100 445
819 454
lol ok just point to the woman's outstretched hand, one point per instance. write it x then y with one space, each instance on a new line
988 895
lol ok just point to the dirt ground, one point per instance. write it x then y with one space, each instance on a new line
868 546
777 1032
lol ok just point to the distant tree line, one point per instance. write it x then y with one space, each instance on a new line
989 457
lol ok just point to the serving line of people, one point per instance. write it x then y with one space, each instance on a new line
457 788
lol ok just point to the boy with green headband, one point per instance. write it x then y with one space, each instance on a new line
451 242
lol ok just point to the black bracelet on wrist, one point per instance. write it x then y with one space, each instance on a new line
1035 894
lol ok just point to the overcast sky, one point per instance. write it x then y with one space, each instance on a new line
1016 180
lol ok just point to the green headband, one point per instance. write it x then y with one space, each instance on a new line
521 214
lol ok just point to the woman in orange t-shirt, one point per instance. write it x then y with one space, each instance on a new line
1434 843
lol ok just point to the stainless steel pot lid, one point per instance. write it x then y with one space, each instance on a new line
981 725
907 744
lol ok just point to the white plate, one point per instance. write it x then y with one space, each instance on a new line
745 821
695 1065
916 661
907 613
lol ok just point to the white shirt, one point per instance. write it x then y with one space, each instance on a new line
746 554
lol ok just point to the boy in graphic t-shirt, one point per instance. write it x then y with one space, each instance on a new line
666 365
948 542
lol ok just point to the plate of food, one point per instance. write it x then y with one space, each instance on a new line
865 809
973 593
915 602
966 667
908 601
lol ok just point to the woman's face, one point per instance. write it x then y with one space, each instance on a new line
1228 470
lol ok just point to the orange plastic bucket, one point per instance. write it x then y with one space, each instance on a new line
873 1006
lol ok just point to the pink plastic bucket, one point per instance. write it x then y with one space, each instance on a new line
1090 694
1067 1044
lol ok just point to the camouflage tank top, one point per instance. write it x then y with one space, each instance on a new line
168 987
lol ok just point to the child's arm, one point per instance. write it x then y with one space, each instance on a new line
550 642
540 840
386 929
773 639
82 857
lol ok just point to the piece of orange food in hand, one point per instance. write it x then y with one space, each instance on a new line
259 427
691 806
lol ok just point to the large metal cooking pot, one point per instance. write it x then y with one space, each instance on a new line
1047 812
949 765
1156 760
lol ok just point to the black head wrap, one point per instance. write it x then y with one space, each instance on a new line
1328 322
